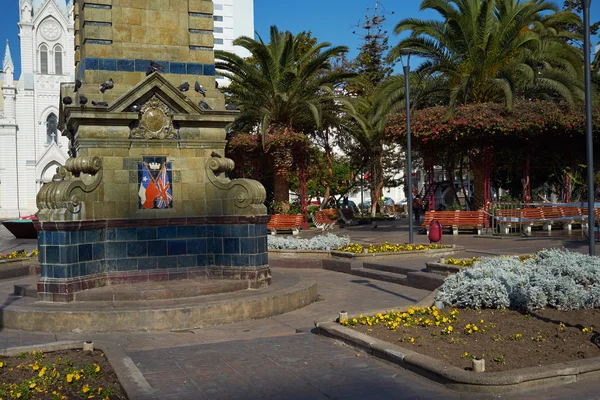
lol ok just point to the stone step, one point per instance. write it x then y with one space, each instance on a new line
391 277
390 268
425 280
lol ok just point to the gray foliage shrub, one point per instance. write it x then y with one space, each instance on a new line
554 278
321 242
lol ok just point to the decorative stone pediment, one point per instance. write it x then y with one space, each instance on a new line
153 86
156 121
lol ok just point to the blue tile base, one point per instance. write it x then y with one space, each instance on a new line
79 254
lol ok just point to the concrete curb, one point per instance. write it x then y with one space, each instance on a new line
456 378
76 320
130 377
406 254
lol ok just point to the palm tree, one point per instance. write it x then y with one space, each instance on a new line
496 50
281 90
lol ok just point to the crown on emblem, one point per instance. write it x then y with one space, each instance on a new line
154 166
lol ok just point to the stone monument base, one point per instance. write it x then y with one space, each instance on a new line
81 255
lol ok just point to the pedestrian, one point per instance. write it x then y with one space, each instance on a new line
417 206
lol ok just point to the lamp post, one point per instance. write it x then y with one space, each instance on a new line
588 125
406 67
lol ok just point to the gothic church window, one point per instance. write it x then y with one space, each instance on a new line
51 128
43 59
58 60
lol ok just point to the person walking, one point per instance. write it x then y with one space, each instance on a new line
417 206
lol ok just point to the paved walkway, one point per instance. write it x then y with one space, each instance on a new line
280 358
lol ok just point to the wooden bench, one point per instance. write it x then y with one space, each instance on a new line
456 220
284 222
551 215
332 213
526 217
575 212
322 221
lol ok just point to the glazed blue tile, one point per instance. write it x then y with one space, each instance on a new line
209 69
231 246
41 238
251 230
126 65
167 232
261 244
137 249
166 65
166 262
110 234
203 260
90 63
146 233
178 68
78 237
98 251
46 271
92 236
239 261
239 231
248 246
223 231
85 252
252 260
52 254
72 255
127 264
115 250
91 268
147 263
157 248
176 247
60 271
41 254
107 64
214 245
142 65
196 246
204 231
186 261
126 234
194 69
111 265
186 232
223 260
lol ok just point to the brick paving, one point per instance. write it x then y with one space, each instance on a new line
280 358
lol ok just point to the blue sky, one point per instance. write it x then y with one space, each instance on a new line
329 20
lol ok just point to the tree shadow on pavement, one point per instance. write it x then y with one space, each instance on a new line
368 283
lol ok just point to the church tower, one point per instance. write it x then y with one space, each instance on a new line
9 91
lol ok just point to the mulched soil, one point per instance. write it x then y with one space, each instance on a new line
542 341
90 374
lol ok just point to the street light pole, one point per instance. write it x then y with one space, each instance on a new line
406 68
588 126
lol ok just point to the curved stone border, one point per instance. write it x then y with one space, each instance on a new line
456 378
105 318
344 254
131 379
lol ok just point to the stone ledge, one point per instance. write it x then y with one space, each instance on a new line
131 379
456 378
407 254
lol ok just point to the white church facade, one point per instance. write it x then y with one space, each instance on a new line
31 147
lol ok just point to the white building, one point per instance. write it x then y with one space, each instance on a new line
30 146
233 18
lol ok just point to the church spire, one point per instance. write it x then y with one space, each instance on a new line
8 62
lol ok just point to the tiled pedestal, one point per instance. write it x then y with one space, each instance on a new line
76 256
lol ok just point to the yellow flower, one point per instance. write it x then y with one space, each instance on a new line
86 388
1 364
31 385
42 372
450 329
70 378
412 339
97 368
18 395
35 367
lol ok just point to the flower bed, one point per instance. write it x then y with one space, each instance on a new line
66 374
321 242
552 278
506 339
18 254
388 248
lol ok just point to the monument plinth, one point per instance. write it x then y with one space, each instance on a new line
145 194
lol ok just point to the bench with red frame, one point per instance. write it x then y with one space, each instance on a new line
456 220
322 221
285 222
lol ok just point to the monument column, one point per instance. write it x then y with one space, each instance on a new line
145 194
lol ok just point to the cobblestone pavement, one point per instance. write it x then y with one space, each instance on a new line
280 358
